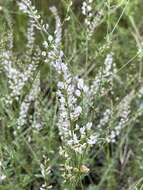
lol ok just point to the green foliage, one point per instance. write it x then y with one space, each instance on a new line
107 166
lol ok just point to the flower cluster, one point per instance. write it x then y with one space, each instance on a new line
104 77
45 172
17 78
58 30
105 119
26 7
92 19
31 97
30 34
123 115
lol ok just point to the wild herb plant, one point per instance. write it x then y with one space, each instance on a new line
71 95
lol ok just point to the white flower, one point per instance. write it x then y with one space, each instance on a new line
22 7
80 84
44 53
78 149
89 125
2 178
78 111
77 127
89 8
50 38
82 130
77 93
85 89
60 85
113 134
45 44
92 140
42 170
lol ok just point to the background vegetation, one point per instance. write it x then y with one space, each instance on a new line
111 166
